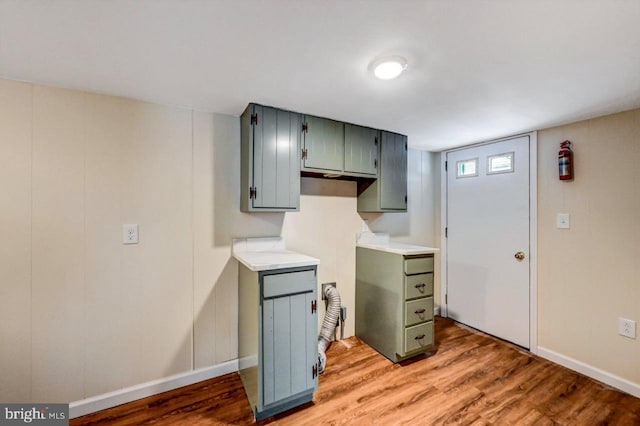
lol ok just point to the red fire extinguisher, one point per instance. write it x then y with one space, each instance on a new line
565 161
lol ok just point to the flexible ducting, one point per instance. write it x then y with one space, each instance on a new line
329 323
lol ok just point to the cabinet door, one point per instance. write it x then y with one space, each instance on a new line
289 346
393 171
276 161
360 150
323 144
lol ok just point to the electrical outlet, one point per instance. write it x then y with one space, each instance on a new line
130 234
324 285
627 328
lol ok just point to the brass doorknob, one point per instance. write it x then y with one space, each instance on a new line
519 255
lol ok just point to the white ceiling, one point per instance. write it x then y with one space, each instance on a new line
478 69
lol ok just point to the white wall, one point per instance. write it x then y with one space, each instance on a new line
589 275
80 313
15 241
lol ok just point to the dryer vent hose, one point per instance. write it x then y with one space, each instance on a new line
331 317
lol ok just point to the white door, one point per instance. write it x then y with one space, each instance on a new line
488 238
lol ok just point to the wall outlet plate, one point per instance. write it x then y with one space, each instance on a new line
130 233
627 328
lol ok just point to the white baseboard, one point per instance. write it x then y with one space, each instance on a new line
590 371
436 310
143 390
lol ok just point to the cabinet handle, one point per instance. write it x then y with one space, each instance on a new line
419 337
420 311
420 287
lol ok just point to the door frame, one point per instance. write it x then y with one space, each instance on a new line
533 231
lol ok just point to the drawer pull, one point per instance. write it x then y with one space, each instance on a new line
419 337
420 287
419 311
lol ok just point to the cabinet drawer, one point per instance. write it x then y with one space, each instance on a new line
418 265
288 283
417 311
418 337
418 285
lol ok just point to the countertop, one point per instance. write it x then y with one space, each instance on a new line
265 254
380 241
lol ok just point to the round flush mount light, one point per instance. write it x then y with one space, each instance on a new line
389 67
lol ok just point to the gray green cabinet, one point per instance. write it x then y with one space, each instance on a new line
394 302
277 146
277 337
270 159
361 150
322 144
333 147
388 193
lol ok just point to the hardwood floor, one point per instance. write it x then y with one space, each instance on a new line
471 378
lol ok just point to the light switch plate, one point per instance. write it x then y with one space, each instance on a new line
130 233
563 221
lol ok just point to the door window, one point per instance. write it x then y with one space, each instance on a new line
467 168
500 163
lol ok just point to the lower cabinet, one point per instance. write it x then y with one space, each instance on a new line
394 302
277 338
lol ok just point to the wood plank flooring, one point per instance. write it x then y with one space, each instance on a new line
470 379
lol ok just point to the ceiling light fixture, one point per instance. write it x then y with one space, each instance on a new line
389 67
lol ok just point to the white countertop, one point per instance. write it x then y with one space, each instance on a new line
264 254
380 241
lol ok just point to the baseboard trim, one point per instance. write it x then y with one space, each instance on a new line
143 390
436 310
591 371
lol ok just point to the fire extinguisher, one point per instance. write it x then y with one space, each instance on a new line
565 161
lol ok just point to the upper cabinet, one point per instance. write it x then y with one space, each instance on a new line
388 193
336 148
322 144
361 150
393 172
270 151
279 145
